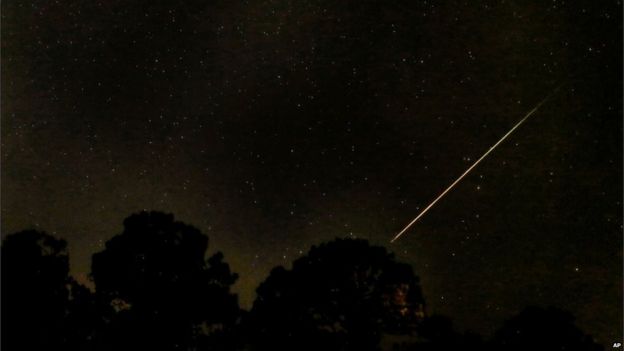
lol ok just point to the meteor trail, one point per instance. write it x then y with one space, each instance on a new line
473 165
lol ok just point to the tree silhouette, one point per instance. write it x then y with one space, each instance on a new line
83 318
436 333
342 296
42 306
542 329
34 290
157 288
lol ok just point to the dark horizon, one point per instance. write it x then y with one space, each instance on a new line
157 288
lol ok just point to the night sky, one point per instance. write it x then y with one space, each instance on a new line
276 125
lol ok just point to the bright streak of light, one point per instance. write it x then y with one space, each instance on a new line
473 166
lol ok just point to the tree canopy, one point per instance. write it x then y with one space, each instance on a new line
342 295
156 288
538 329
159 287
35 290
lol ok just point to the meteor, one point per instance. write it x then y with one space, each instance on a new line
474 165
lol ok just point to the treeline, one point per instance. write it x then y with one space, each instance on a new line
156 290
